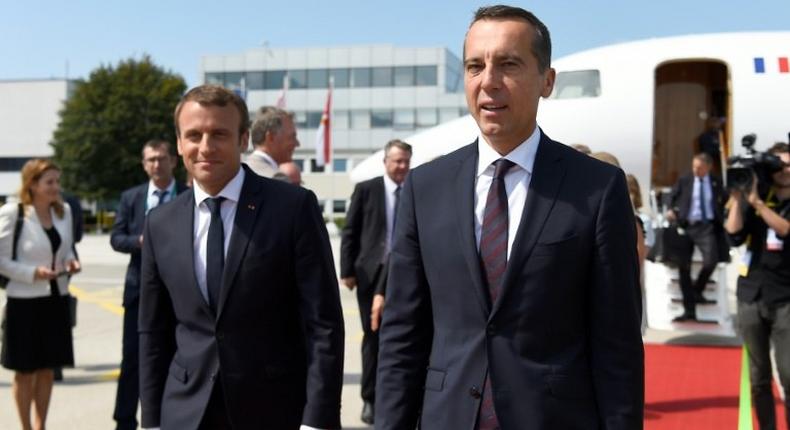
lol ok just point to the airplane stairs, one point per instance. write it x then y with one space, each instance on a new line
664 299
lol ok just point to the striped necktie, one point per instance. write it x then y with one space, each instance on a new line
493 255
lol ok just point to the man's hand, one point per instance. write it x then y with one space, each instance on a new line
671 217
375 311
350 282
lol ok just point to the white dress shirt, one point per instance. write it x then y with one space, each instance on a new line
202 215
516 182
266 158
389 201
152 200
695 214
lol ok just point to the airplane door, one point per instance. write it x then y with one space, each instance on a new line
688 95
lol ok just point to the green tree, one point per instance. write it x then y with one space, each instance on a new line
106 121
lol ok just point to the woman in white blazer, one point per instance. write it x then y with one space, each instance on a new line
37 333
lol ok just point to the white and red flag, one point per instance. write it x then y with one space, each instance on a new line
323 139
281 99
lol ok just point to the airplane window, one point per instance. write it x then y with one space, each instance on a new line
577 84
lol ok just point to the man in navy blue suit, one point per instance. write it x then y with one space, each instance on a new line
240 318
513 296
127 237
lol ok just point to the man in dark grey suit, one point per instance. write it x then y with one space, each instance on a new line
365 246
513 296
697 202
273 137
127 237
240 318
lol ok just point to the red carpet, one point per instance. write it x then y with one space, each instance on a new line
692 387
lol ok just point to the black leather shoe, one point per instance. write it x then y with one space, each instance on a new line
684 318
367 413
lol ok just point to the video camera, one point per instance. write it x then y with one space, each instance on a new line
741 169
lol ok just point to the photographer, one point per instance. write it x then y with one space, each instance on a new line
762 222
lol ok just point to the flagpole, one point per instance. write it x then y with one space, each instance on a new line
331 147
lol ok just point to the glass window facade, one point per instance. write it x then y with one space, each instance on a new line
360 119
340 119
403 119
340 165
427 117
360 77
426 75
382 77
341 77
404 76
254 80
577 84
215 78
12 164
446 114
273 79
381 118
314 119
234 79
317 78
297 79
300 119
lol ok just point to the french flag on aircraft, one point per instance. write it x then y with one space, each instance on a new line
759 65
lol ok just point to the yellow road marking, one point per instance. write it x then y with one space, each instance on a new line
94 298
112 375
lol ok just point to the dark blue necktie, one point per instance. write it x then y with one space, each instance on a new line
395 213
493 255
702 208
161 195
215 251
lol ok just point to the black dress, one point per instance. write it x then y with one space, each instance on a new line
37 331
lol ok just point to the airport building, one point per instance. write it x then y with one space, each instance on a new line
29 115
380 92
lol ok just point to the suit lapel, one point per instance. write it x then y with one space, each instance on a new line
184 256
139 209
464 193
380 199
249 205
547 175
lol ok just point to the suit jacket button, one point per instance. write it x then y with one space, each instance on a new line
474 392
491 329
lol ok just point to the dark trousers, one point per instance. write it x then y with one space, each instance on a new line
128 394
370 345
703 236
761 325
216 415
